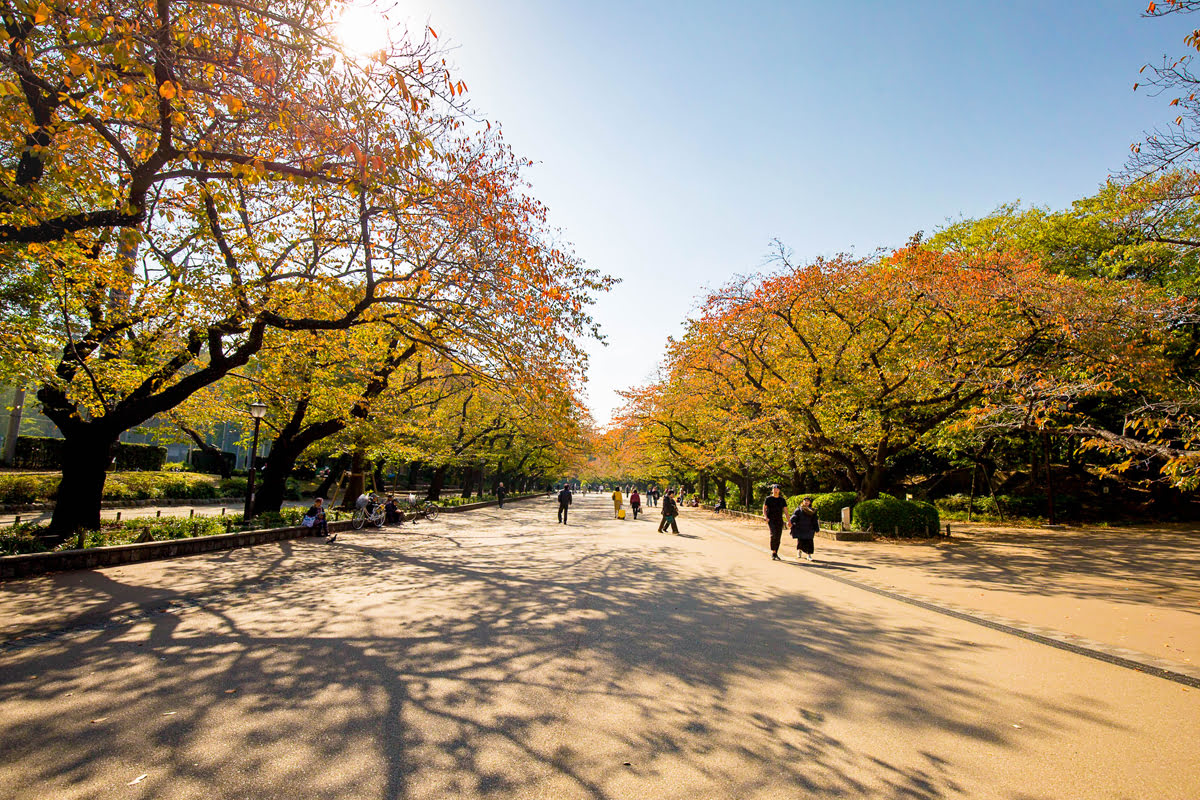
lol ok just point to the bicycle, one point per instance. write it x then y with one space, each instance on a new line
372 514
421 510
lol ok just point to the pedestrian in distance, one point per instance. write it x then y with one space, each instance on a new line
564 503
618 500
501 493
635 502
669 512
773 508
804 526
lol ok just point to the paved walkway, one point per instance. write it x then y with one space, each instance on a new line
1131 592
498 654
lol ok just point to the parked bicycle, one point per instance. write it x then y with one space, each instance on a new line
422 509
372 514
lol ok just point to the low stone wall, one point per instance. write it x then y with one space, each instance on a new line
835 535
24 566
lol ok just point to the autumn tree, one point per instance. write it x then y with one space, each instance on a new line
177 180
856 361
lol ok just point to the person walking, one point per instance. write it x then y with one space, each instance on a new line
564 503
804 526
617 499
501 493
773 508
635 502
669 512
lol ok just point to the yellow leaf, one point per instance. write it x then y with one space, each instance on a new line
41 15
167 90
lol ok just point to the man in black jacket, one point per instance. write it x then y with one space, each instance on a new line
773 508
564 503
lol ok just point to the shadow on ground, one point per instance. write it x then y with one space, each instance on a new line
491 656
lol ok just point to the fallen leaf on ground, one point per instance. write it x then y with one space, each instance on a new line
138 779
99 719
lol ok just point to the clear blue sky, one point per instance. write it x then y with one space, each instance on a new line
675 140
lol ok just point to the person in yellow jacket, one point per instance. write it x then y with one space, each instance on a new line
618 498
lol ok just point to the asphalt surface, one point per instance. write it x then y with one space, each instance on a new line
495 653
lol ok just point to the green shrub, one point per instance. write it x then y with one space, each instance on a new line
139 457
38 452
21 489
829 505
174 466
888 516
204 461
234 487
18 539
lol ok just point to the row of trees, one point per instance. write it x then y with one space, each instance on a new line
1013 342
200 203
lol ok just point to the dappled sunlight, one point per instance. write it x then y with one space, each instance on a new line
559 662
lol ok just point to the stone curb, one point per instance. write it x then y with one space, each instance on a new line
30 564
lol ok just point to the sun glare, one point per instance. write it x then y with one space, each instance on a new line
363 30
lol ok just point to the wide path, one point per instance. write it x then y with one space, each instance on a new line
498 654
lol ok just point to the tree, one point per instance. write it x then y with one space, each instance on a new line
856 361
177 180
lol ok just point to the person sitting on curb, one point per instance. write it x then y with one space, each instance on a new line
320 524
391 511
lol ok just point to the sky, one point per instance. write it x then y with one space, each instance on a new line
674 141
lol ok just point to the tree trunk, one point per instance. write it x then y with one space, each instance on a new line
87 455
225 465
335 472
356 480
436 483
869 483
14 426
1049 479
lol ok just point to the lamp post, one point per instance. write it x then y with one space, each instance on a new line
258 411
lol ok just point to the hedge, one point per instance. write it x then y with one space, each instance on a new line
829 505
23 489
46 452
887 515
211 463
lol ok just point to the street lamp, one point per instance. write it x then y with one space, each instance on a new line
258 411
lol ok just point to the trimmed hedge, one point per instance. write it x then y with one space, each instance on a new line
888 516
139 457
46 452
23 489
829 505
204 461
